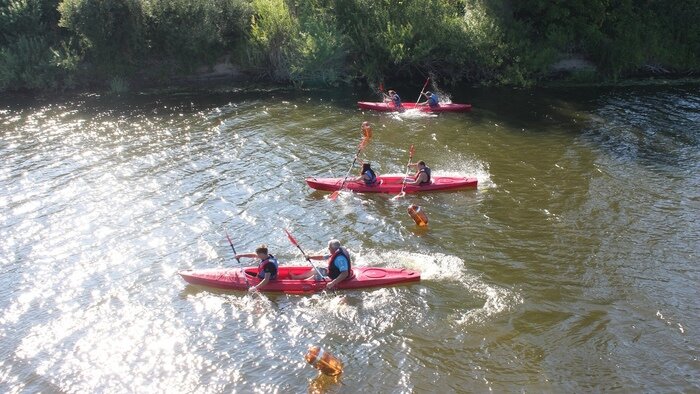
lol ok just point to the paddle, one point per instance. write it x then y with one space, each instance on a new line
335 194
421 91
245 276
411 151
295 243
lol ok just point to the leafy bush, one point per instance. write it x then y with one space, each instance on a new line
28 36
189 33
43 43
25 63
274 34
321 49
110 32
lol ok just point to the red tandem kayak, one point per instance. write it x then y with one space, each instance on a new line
389 107
235 279
392 184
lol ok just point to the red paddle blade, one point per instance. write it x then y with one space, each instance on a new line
334 195
381 86
291 239
411 151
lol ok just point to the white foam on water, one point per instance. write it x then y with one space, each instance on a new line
497 300
467 167
439 267
435 266
415 113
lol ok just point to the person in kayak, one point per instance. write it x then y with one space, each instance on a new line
394 98
431 100
422 176
367 175
267 266
338 268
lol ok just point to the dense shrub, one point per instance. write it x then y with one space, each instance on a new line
32 54
44 43
110 32
321 49
183 34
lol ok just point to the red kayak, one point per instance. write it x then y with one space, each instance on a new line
393 184
389 107
235 279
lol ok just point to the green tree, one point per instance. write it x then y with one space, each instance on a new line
110 33
32 53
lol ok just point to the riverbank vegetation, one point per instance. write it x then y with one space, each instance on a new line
66 44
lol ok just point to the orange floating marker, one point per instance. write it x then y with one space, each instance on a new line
366 130
325 362
418 215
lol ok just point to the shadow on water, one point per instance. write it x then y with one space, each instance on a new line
657 130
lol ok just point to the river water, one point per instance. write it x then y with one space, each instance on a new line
572 268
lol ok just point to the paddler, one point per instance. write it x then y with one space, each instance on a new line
267 266
422 176
367 174
338 265
394 98
431 100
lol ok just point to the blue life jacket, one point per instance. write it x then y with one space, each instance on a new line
270 265
433 100
372 177
397 100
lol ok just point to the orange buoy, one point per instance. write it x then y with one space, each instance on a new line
418 215
366 130
325 362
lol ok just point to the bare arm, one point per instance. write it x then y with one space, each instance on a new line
419 178
335 281
250 255
263 282
305 275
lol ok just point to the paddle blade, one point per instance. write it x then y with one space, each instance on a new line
396 197
291 239
411 151
381 86
334 195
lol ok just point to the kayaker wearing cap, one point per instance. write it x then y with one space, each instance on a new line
338 268
367 174
267 266
422 176
431 99
394 97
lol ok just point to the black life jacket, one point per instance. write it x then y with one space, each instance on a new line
269 262
333 271
426 170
